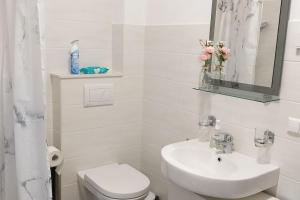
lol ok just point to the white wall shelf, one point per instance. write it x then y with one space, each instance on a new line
248 95
84 76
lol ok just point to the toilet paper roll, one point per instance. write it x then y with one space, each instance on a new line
151 196
55 157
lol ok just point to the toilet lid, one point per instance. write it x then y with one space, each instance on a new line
118 181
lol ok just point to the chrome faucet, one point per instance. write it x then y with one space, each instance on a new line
222 143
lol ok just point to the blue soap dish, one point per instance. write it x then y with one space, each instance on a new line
94 70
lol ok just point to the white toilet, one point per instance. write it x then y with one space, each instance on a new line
113 182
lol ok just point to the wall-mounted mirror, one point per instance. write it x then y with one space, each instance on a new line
255 31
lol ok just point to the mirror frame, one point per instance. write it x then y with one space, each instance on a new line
279 54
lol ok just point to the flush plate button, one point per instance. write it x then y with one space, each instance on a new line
98 95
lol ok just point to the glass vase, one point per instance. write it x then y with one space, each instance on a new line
204 79
219 73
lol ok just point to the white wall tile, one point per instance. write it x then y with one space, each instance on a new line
290 85
135 12
284 153
77 118
70 192
292 41
130 155
91 35
288 189
99 11
178 12
82 143
57 60
294 15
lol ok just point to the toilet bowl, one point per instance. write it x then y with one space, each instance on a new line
113 182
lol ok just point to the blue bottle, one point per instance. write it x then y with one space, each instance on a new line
74 60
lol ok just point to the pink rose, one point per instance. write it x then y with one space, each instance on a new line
228 52
225 50
209 50
205 57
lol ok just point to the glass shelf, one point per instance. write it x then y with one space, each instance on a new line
253 96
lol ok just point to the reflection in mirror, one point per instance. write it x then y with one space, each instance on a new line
250 29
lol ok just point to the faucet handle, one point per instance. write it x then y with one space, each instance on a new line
228 137
223 137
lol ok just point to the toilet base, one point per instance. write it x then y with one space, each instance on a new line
86 194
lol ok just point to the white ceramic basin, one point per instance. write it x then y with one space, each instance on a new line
196 167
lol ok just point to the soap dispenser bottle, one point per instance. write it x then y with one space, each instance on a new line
74 58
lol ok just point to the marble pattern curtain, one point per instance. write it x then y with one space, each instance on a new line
24 170
239 24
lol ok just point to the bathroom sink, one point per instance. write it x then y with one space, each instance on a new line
194 166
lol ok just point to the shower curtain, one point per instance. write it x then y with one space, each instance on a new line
24 171
239 24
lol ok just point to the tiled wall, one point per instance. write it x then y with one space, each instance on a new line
90 137
166 110
174 12
90 22
172 109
